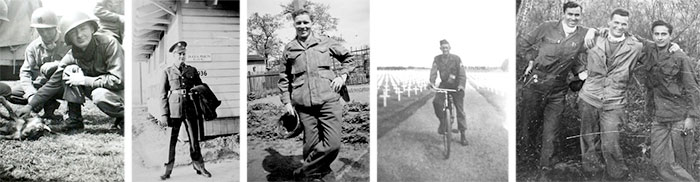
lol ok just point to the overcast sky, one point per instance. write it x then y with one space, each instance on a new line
353 17
408 33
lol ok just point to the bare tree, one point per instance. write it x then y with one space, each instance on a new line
262 38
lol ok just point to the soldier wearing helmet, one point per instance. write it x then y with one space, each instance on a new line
41 59
93 68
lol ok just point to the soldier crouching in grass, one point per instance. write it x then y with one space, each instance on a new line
93 68
41 59
178 107
311 88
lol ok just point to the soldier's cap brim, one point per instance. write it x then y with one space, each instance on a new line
180 43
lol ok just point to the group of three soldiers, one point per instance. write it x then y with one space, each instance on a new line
606 60
72 58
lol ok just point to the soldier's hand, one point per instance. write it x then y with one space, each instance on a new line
589 39
529 68
674 47
24 111
290 109
338 83
689 124
583 75
163 121
73 75
460 88
75 80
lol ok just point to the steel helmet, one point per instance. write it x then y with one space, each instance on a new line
44 18
72 20
289 126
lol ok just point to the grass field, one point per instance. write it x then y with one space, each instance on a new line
96 154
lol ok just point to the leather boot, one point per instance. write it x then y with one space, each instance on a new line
463 138
199 168
118 124
168 170
74 121
49 109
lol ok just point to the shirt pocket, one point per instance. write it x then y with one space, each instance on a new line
175 104
323 59
294 59
669 73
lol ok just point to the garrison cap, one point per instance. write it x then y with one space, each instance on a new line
179 45
443 41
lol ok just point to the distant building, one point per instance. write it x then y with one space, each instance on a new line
15 35
256 64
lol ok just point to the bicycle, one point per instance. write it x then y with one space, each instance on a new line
450 116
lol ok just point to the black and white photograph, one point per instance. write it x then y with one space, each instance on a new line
607 90
62 90
442 89
186 93
308 90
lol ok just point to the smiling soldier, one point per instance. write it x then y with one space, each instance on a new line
311 88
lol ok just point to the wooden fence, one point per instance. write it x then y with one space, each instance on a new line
267 83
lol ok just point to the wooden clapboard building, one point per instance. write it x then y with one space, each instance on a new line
211 29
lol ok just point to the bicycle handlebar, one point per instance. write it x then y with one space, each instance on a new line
443 90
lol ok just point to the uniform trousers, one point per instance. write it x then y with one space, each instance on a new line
602 151
457 102
191 122
672 151
321 136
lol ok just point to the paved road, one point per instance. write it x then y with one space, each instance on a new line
412 151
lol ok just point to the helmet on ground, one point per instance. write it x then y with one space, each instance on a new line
44 18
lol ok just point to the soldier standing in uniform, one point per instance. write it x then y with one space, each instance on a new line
552 51
310 87
453 76
676 97
178 107
41 58
93 68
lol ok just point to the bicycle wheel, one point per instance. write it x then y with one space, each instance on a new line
447 136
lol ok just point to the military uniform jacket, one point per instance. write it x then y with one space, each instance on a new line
451 72
35 56
307 75
606 84
553 53
671 83
176 84
102 63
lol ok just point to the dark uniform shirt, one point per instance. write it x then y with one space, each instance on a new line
671 81
553 53
177 81
306 79
102 63
452 73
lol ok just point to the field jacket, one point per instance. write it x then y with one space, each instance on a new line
102 63
451 72
606 84
308 70
35 56
672 84
553 53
